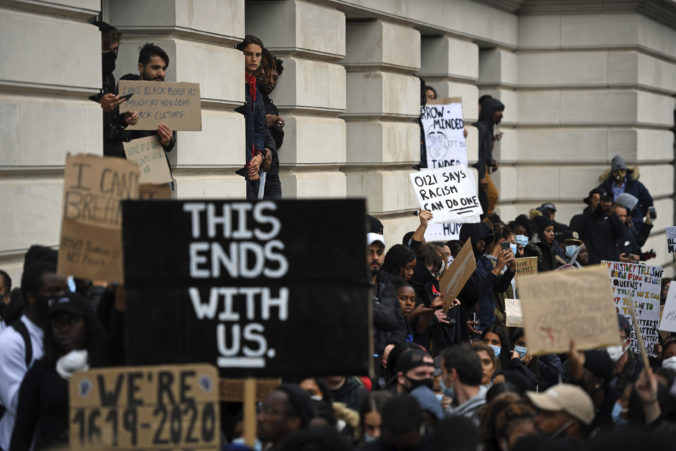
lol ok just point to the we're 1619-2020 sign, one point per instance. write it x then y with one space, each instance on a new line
257 288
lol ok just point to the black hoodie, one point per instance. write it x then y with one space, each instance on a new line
485 125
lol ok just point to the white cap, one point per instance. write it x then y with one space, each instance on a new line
373 238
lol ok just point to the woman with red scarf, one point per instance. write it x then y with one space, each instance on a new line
254 115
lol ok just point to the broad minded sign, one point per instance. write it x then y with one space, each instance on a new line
256 288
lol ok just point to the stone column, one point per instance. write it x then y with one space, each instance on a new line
199 38
310 94
383 104
45 113
591 87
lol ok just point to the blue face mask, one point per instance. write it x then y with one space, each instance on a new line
521 350
616 414
570 250
496 350
521 240
512 246
447 391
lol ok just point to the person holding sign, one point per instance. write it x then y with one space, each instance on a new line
153 62
114 123
254 115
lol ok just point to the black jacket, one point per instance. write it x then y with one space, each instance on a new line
388 322
114 133
485 126
600 233
277 135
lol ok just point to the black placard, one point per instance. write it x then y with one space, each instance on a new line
287 279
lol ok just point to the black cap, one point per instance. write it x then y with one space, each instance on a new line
412 358
547 206
600 191
71 303
301 402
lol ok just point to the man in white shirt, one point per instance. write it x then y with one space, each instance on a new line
21 344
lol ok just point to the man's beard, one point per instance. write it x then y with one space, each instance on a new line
145 77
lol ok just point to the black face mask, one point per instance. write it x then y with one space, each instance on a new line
415 383
108 62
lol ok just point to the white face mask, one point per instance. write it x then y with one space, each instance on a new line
669 363
615 352
368 438
70 363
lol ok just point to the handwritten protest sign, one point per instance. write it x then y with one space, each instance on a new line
145 408
236 283
671 239
514 316
152 191
668 320
558 306
148 154
526 266
457 275
176 104
444 138
91 239
442 232
638 285
450 193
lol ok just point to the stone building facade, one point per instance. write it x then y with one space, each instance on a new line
582 81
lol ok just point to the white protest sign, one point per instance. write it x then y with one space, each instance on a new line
640 286
442 232
668 321
444 132
513 313
449 193
671 239
149 155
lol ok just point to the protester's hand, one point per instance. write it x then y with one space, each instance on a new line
576 359
646 388
441 316
483 183
270 120
526 359
165 133
511 261
494 165
254 166
626 258
424 217
446 402
648 219
471 326
419 310
279 124
110 101
504 257
267 161
131 118
465 132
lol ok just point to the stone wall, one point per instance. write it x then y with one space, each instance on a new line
579 85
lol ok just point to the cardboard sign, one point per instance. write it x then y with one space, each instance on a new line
640 286
526 266
148 154
513 313
240 284
559 306
444 132
91 241
145 408
159 102
233 389
668 319
671 239
442 232
457 275
151 191
450 193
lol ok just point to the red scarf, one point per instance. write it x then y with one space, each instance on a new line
251 81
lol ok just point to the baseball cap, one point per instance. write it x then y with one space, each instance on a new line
374 238
600 191
71 303
567 398
412 358
547 206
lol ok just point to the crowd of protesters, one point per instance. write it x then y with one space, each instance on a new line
455 379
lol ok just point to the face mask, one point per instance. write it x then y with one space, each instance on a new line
449 260
619 176
316 397
70 363
521 350
108 62
448 391
415 383
512 246
570 250
617 414
669 363
521 240
615 352
496 350
439 396
369 438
